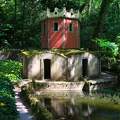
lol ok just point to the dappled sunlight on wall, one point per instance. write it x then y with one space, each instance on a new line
34 67
55 37
93 64
74 66
58 68
63 37
63 68
94 69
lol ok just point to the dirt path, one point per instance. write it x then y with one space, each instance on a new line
21 108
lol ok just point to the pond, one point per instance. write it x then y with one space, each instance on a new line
74 106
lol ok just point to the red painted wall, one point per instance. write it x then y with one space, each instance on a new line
55 37
44 34
63 38
72 38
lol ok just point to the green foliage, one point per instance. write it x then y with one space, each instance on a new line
40 112
9 73
6 35
6 23
75 4
11 70
118 40
109 54
110 24
24 28
7 100
107 46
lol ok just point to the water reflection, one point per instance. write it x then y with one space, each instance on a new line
68 107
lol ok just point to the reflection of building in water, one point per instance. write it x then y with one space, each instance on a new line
66 108
86 110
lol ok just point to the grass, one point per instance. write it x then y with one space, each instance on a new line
104 103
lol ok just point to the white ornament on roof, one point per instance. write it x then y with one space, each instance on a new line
60 13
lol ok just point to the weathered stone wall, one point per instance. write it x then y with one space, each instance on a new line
61 85
75 66
58 66
10 55
25 67
4 55
34 66
93 64
62 68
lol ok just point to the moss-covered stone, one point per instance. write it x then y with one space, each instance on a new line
62 52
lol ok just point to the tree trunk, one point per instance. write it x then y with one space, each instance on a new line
103 11
82 7
15 10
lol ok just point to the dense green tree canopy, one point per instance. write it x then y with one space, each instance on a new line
19 21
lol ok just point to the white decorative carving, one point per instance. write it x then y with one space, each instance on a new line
56 11
48 11
60 13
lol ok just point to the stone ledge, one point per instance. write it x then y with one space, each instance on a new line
104 81
62 85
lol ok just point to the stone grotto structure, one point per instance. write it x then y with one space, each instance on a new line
60 57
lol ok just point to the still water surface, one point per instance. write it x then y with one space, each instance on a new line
72 106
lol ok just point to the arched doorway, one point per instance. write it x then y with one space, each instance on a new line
47 69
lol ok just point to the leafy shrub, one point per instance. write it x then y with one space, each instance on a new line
106 45
7 100
9 73
40 112
11 69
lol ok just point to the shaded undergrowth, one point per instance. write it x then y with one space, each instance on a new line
9 75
